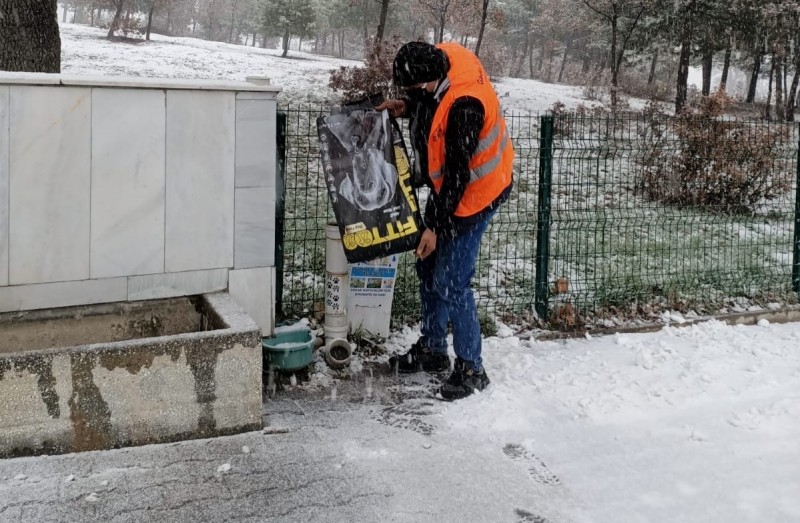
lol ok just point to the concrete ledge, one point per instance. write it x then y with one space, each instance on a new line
7 78
135 392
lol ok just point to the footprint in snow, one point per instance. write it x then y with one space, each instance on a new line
409 415
537 470
527 517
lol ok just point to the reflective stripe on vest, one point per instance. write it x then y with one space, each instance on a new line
481 171
483 145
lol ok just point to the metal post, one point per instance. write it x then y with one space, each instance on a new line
544 216
280 207
796 257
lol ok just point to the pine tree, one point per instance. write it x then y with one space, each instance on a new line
288 18
623 18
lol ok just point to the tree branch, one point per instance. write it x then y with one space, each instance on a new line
590 6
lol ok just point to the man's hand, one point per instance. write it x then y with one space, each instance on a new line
427 244
397 108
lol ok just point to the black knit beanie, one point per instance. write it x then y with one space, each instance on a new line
418 62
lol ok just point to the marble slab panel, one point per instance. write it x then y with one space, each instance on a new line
192 84
16 78
255 228
256 143
154 286
4 179
62 294
128 182
199 84
254 290
50 184
200 180
253 95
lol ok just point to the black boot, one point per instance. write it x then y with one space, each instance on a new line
463 381
420 358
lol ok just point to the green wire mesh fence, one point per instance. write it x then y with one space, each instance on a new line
624 216
652 213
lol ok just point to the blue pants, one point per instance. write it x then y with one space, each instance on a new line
446 295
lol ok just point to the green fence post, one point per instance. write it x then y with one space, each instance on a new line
544 217
796 257
280 207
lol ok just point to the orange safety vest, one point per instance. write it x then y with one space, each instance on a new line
492 162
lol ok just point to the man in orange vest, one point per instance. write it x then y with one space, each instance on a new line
463 152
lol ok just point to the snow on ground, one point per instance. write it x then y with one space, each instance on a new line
303 76
687 424
86 51
521 95
691 424
694 424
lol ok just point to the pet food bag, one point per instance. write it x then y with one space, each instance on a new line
368 177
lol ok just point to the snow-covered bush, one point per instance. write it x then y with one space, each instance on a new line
702 159
375 76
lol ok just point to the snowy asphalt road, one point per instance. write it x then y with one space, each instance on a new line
351 459
691 425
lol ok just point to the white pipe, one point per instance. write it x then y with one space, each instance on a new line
338 353
336 286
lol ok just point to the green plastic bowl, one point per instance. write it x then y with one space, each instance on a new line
288 350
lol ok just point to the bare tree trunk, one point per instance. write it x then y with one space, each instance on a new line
768 109
521 62
651 78
541 58
791 97
726 66
564 60
779 86
150 20
233 24
382 22
365 26
29 36
683 75
548 72
708 63
484 13
681 89
66 10
751 91
614 66
618 48
115 22
286 36
587 63
530 60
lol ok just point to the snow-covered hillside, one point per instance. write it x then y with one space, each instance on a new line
303 76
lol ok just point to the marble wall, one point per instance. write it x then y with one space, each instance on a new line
113 190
